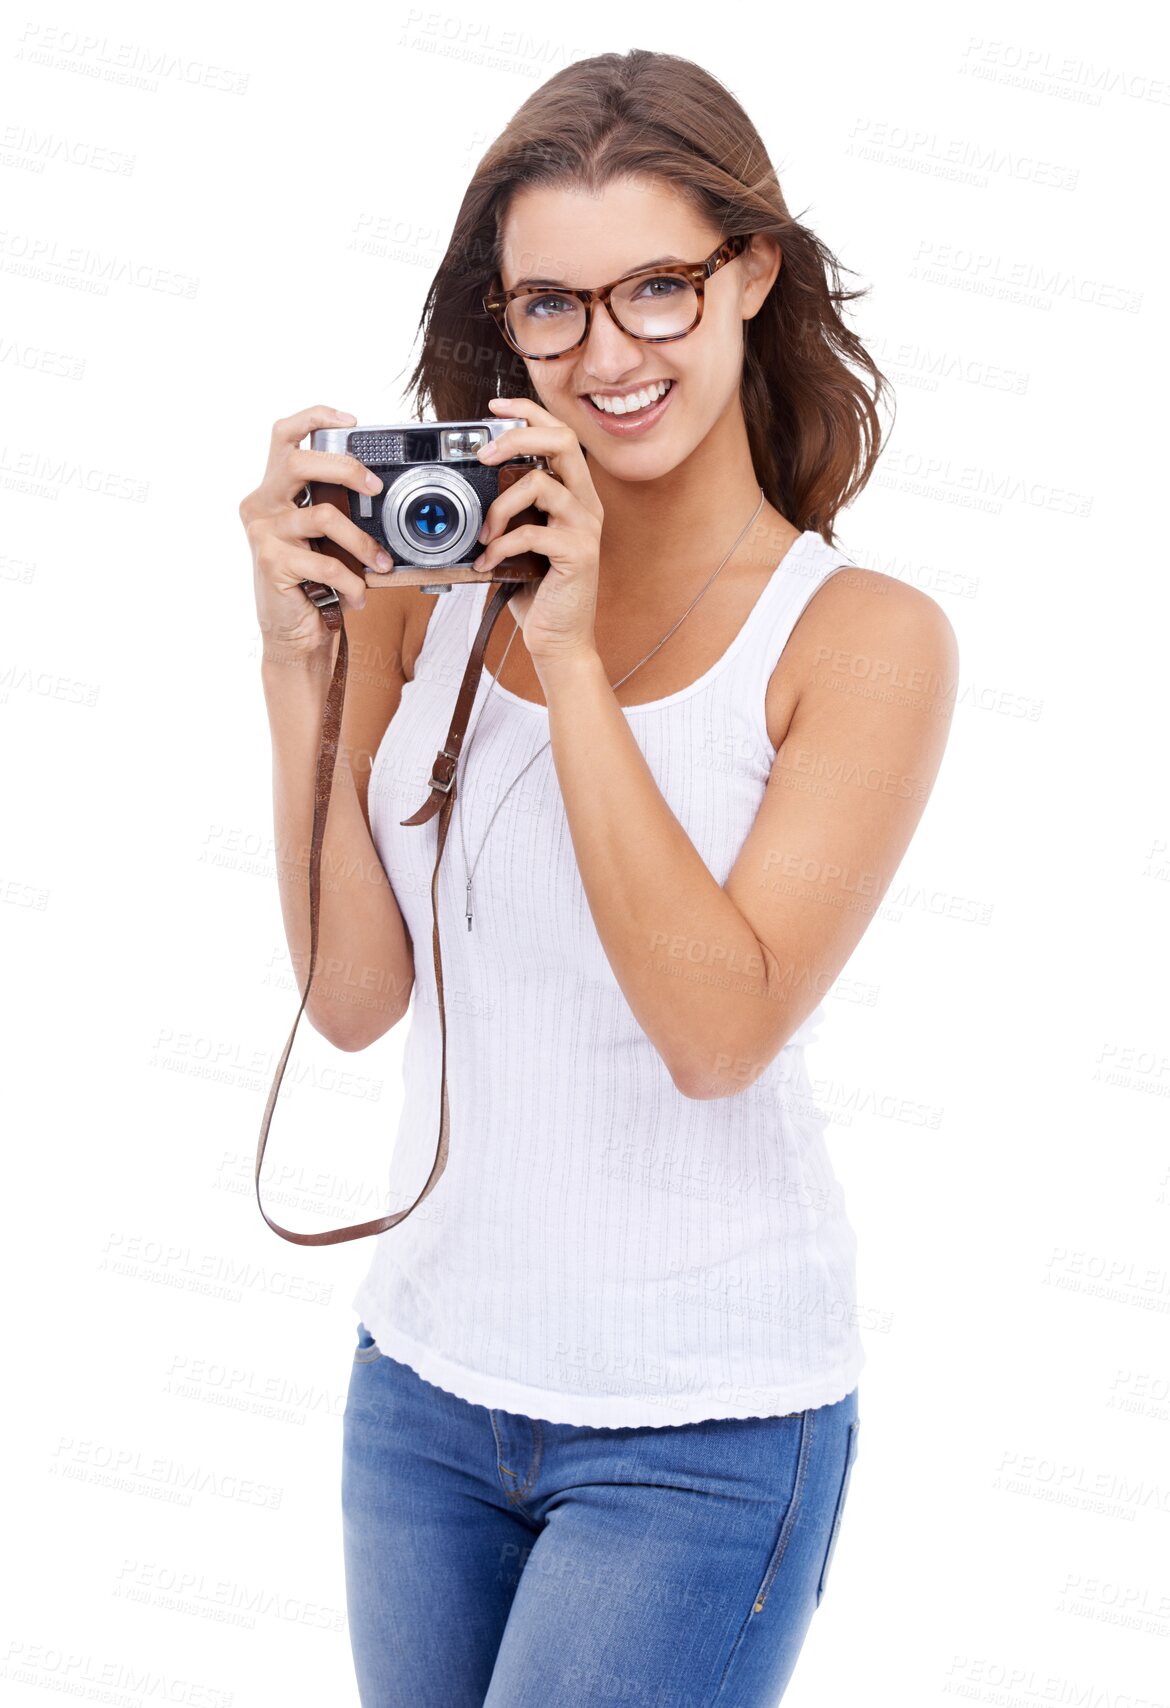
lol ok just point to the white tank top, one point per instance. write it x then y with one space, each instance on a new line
600 1249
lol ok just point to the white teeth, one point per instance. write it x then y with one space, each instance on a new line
633 400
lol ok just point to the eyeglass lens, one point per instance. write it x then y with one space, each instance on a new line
547 322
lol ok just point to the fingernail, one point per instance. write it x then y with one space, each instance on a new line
482 535
373 484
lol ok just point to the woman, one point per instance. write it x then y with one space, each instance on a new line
604 1406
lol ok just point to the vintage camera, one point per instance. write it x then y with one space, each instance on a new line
435 495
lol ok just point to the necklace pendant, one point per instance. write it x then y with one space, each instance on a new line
469 904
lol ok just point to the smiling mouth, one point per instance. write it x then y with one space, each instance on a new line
630 403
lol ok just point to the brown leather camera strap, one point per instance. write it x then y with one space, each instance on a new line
440 800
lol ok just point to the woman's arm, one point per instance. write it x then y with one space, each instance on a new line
720 978
365 960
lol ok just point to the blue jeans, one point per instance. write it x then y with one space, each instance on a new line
499 1560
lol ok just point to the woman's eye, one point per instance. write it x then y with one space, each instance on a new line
668 283
546 307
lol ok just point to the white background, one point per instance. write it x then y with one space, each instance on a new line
995 1064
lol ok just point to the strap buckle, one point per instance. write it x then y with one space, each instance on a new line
435 780
320 594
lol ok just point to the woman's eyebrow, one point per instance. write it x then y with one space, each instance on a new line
656 262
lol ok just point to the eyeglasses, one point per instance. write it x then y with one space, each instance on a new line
543 322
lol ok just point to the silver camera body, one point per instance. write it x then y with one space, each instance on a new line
435 491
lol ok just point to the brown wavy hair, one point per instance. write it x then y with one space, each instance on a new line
812 421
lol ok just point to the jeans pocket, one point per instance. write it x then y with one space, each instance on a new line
850 1456
367 1350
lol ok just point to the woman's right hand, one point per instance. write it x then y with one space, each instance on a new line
279 532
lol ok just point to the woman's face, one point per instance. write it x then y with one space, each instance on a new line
566 237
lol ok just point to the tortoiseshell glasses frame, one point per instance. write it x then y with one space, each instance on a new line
496 302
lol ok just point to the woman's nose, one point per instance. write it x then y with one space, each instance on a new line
608 354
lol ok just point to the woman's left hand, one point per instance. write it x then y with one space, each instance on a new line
555 615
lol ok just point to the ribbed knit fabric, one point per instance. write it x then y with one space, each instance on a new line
600 1249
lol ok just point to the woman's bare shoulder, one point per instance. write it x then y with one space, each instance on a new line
868 633
884 622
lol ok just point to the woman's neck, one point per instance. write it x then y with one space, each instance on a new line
658 533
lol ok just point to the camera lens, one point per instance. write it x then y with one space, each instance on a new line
431 515
430 518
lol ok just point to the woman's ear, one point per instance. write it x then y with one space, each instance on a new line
761 264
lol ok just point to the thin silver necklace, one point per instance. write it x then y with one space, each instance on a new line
492 680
